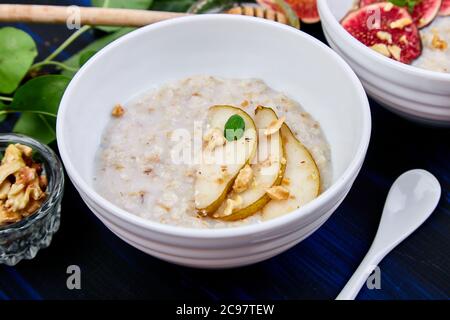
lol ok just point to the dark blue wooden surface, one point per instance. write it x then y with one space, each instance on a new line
317 268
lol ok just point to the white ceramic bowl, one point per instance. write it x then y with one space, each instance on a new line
227 46
414 93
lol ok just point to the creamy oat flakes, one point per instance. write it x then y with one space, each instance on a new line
135 167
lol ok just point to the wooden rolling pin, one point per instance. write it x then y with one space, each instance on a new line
107 16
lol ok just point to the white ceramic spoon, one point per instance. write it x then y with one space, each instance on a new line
411 200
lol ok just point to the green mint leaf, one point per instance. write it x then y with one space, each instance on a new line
410 4
234 128
399 3
17 53
123 4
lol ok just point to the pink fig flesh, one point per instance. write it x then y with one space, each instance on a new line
445 8
380 25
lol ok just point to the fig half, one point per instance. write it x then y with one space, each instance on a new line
387 29
423 14
445 8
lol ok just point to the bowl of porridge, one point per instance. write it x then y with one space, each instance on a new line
401 55
202 148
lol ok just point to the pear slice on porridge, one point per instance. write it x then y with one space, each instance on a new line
229 144
301 182
248 195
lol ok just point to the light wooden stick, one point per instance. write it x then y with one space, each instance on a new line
87 15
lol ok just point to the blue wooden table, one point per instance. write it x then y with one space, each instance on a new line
317 268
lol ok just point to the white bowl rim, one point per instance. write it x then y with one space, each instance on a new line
324 9
177 231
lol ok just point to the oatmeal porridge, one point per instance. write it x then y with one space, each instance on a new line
435 53
138 170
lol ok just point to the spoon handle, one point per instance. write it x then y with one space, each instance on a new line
360 276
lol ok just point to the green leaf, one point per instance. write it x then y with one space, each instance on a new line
36 126
234 128
124 4
97 45
42 94
38 100
17 53
85 56
172 5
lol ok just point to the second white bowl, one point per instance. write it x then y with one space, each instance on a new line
414 93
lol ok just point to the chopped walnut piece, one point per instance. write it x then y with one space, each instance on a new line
396 52
400 23
231 205
286 181
274 126
220 180
278 193
403 39
8 169
43 182
437 42
381 48
243 179
190 173
214 138
13 154
32 207
7 217
386 36
388 7
148 171
4 190
118 111
166 208
25 176
118 166
26 150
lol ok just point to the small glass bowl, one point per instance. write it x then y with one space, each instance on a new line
22 240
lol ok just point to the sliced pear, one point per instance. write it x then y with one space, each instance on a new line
267 171
221 159
301 178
